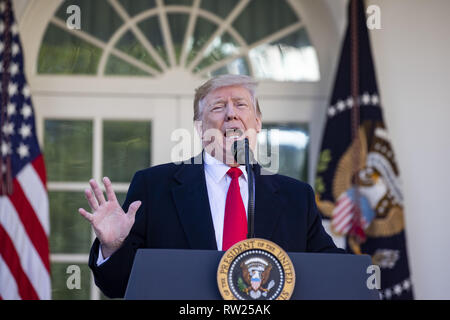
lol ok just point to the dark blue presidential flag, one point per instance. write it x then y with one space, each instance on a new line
358 180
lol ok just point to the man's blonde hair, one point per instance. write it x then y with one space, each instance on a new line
227 80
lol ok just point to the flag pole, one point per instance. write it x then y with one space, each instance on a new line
6 179
357 232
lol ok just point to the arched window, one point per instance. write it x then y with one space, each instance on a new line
265 39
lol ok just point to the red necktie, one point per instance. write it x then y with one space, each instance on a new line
235 222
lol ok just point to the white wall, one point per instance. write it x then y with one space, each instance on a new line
412 56
19 8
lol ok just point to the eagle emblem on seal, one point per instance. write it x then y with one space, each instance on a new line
255 273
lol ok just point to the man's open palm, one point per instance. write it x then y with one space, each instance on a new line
111 224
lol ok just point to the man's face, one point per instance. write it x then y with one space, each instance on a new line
228 114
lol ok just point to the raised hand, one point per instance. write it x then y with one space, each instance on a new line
111 224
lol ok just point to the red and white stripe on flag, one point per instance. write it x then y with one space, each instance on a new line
24 214
341 222
343 215
24 231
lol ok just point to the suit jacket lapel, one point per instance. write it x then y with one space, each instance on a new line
268 204
191 200
192 203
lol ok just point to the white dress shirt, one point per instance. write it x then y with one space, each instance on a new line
217 183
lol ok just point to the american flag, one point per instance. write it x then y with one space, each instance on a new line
344 214
24 214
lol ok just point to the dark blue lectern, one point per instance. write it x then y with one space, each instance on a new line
161 274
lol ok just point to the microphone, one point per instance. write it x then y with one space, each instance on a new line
242 153
244 156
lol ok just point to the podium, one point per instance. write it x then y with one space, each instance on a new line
170 274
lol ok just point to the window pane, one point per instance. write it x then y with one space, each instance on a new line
151 28
220 8
116 66
202 32
70 232
221 48
178 2
59 277
293 140
273 15
292 58
121 196
133 47
126 148
238 66
63 53
98 18
178 25
68 150
135 7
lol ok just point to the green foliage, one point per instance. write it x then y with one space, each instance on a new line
133 47
241 284
59 277
325 158
319 185
126 148
68 150
116 66
63 53
322 166
70 233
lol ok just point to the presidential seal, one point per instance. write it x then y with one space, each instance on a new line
256 269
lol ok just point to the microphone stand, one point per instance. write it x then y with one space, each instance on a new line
251 194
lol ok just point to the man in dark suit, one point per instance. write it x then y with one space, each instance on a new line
201 203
